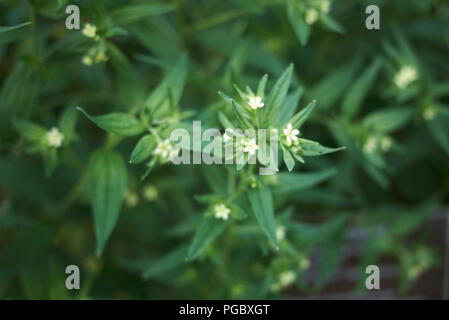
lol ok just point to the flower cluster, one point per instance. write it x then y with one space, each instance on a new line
405 76
97 54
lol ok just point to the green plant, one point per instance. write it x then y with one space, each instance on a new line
111 201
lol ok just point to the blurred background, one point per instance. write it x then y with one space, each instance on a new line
383 94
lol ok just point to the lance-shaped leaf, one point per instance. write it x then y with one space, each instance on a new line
209 229
143 149
167 263
29 130
262 205
298 120
67 123
288 158
6 29
288 108
123 124
388 120
296 19
312 148
107 179
358 91
130 14
277 94
298 181
159 100
238 113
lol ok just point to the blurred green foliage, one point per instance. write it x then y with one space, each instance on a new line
69 196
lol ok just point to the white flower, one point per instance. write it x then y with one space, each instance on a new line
54 137
287 278
280 233
221 211
312 16
89 30
405 76
385 144
150 193
290 134
164 149
370 145
250 146
131 199
255 102
429 113
227 137
87 60
304 263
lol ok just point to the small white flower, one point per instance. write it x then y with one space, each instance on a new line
405 76
370 145
250 146
54 137
221 211
385 144
164 149
290 134
255 102
89 30
287 278
150 193
429 113
87 60
280 233
226 136
312 16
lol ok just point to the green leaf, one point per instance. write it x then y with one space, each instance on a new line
312 148
6 29
278 93
50 161
358 91
209 229
134 13
296 19
262 205
143 149
123 124
158 101
261 86
29 130
440 132
225 122
388 120
288 159
288 182
107 181
67 123
333 25
330 88
238 113
289 107
167 263
298 120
